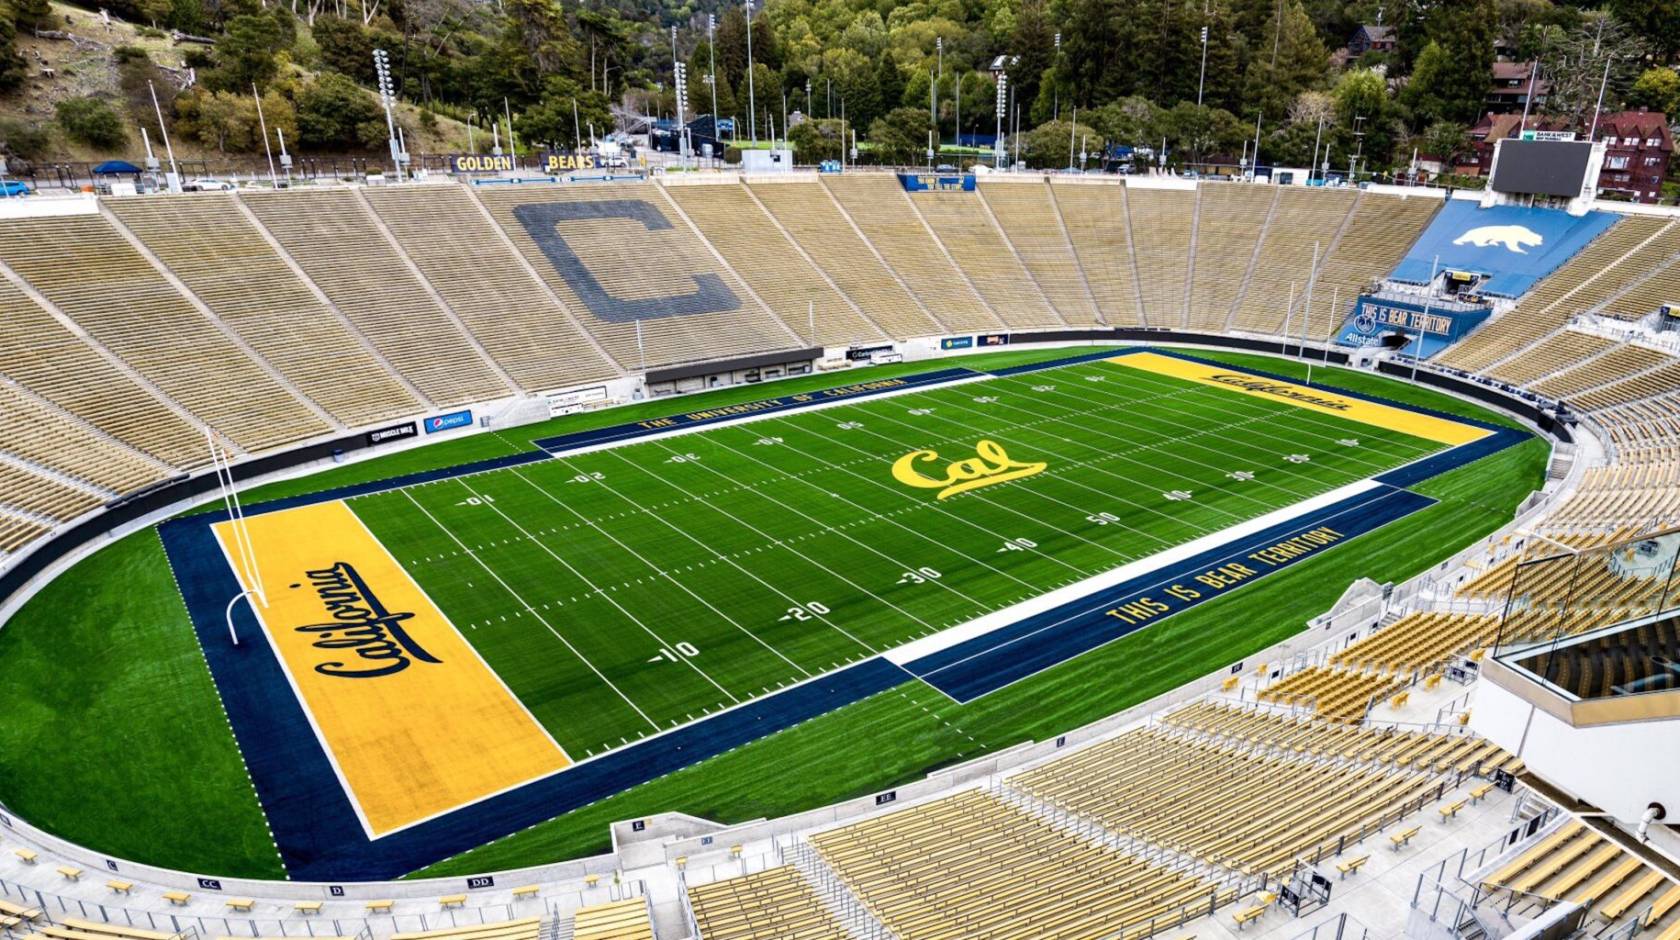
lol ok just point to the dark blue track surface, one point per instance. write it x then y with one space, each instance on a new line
989 662
315 825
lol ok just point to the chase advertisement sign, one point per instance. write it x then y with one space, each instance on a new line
957 342
454 419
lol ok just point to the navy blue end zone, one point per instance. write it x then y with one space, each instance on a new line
311 817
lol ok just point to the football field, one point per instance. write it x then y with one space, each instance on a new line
522 620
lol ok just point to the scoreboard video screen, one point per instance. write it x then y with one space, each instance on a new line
1541 167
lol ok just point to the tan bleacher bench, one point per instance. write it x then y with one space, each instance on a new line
1477 794
27 856
243 905
1247 914
523 929
88 928
177 898
1404 836
379 907
307 907
19 911
452 900
1351 866
1450 811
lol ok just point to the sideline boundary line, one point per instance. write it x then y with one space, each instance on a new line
288 766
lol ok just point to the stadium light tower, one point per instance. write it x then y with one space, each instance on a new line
997 140
752 104
382 71
711 51
1202 81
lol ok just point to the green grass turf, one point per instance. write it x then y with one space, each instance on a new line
902 734
111 734
163 783
469 448
625 592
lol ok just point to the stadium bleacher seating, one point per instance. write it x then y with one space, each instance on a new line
810 215
1027 214
1614 365
644 267
1096 221
1230 228
964 225
1573 862
1262 810
1555 353
1419 641
1301 219
618 920
90 273
202 237
1379 229
1335 694
882 212
770 905
67 374
1162 221
460 252
339 245
972 865
1593 275
773 268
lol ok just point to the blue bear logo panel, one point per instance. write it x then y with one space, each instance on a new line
541 221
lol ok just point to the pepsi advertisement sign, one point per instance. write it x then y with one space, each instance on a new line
454 419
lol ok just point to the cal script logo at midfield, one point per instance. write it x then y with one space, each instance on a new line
360 624
992 465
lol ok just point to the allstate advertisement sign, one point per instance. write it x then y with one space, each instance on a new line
454 419
1375 317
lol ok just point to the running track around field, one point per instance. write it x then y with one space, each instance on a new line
310 815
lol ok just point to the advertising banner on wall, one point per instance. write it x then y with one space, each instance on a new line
1436 327
454 419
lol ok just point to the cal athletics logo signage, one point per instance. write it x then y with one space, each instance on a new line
991 465
361 625
1512 237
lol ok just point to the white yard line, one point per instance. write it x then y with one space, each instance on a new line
593 587
866 511
935 506
665 574
1232 402
732 563
916 649
533 611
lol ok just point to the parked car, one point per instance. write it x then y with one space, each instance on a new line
208 184
12 189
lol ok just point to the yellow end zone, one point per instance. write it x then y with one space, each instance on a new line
415 722
1428 427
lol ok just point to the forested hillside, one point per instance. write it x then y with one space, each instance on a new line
1275 70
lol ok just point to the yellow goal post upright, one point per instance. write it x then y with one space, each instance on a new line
245 554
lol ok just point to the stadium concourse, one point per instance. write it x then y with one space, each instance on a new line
1337 779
